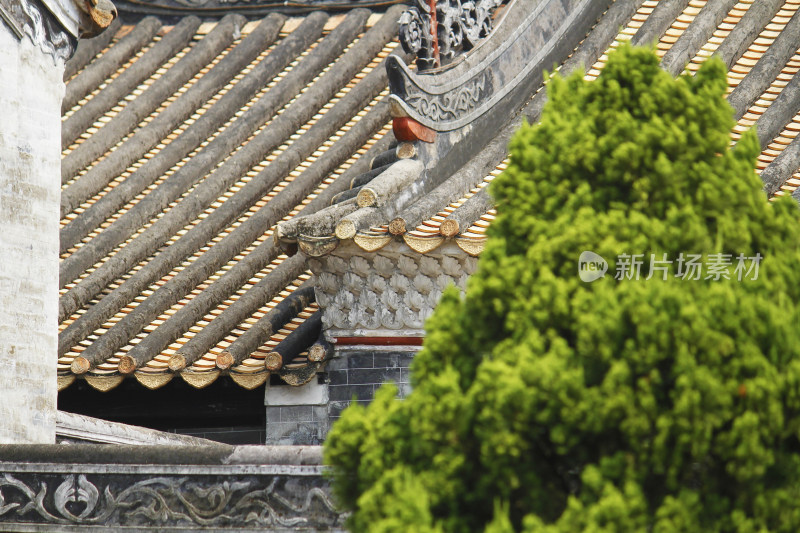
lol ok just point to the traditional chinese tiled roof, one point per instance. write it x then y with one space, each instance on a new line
175 178
756 39
183 146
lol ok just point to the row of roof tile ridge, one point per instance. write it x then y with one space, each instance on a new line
477 203
727 31
356 111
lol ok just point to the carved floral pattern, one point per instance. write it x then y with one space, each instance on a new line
162 501
460 26
454 104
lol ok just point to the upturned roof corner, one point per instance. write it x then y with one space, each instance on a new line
55 26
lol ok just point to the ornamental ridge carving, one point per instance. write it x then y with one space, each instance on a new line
40 26
385 290
167 501
460 25
452 105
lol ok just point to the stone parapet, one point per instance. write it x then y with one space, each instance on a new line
158 488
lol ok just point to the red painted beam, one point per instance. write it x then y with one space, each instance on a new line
379 341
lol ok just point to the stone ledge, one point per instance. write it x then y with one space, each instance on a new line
81 429
111 454
174 488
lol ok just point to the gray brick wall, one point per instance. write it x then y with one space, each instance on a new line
31 90
303 415
358 373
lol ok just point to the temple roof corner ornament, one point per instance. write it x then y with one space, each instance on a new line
55 25
437 36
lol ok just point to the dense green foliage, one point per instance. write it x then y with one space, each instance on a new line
544 403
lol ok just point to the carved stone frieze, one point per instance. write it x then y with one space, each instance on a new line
32 19
392 289
112 500
460 25
450 106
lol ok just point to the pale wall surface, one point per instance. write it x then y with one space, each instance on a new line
31 90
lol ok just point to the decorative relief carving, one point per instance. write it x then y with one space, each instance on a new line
76 492
41 27
385 290
460 25
166 501
415 36
452 105
536 35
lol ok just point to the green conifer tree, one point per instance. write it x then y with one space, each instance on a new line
545 403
